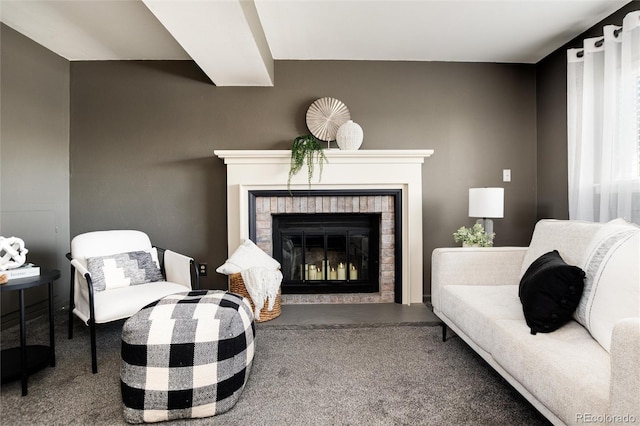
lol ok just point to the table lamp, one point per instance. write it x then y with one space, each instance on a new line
486 203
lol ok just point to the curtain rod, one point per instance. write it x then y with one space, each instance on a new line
600 42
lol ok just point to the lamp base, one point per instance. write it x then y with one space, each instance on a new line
487 224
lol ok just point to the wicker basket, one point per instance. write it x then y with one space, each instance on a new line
236 285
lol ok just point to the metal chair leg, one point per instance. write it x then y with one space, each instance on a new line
444 332
71 295
70 321
94 358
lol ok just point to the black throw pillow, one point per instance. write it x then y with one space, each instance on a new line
550 291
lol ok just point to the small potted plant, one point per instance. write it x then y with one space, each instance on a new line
306 149
475 236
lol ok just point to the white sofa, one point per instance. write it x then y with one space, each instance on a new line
578 374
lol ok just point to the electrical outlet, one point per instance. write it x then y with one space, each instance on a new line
203 269
506 175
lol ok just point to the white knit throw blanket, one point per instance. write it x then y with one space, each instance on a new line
262 284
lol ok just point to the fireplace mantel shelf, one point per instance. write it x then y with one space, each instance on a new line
241 156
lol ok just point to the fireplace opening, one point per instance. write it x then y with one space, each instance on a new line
328 252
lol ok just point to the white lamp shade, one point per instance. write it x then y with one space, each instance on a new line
486 202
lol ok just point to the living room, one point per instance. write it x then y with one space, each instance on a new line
129 144
142 133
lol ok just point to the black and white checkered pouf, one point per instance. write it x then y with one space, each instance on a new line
186 355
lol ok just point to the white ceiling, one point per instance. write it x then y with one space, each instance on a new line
236 41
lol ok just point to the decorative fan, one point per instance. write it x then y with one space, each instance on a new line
325 116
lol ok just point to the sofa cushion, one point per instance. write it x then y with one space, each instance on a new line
612 285
567 371
550 291
475 308
569 237
122 270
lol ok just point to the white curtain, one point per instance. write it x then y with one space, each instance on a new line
603 106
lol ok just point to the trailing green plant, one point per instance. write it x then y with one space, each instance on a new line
306 149
476 235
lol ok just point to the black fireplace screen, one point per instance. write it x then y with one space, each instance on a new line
328 252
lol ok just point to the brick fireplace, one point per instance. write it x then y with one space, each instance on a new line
263 205
252 173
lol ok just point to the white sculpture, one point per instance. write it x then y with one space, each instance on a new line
349 136
12 253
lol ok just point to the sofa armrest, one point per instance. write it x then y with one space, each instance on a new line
474 266
625 368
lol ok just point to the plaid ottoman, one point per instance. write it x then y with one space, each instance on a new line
186 355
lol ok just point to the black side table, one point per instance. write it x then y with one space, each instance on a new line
22 361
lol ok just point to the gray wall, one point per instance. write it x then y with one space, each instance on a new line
551 76
34 165
139 140
143 135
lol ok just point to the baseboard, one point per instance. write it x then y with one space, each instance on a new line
426 299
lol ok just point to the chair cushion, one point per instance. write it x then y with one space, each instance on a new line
550 291
123 302
122 270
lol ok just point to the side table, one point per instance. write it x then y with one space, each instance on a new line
21 362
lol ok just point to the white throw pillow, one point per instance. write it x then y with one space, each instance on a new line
247 256
569 237
612 285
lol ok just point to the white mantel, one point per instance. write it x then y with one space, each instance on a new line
251 170
364 156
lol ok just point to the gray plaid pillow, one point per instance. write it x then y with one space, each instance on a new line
122 270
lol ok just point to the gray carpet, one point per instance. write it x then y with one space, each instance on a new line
390 375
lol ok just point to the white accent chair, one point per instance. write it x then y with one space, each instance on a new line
180 274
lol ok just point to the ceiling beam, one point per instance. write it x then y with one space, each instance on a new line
225 38
93 30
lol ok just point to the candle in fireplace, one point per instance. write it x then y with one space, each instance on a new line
353 273
313 272
342 275
333 274
304 271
